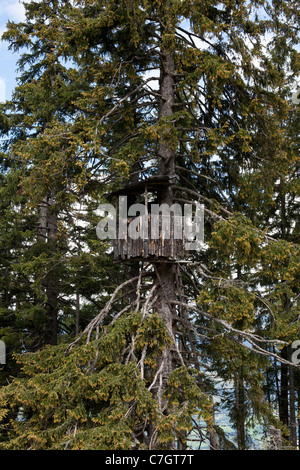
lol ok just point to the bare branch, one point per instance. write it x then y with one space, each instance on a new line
252 338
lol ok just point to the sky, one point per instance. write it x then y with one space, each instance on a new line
9 10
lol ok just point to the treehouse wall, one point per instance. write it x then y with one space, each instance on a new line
144 248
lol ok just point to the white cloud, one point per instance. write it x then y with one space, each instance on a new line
2 90
2 30
11 10
15 10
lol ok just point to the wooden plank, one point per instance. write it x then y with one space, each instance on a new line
167 248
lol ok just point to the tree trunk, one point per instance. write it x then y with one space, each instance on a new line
47 232
283 399
213 441
165 272
77 316
298 415
275 439
293 429
240 410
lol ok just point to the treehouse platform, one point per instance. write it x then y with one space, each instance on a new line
148 246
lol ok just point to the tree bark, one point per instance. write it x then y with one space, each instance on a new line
283 399
275 439
165 271
298 415
213 441
240 410
293 428
46 234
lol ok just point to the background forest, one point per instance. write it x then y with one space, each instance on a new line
191 101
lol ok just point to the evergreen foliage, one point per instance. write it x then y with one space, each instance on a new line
105 355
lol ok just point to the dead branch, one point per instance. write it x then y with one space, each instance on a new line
251 338
100 317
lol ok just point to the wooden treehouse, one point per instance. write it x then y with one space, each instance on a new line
151 240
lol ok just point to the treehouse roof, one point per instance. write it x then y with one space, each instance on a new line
153 183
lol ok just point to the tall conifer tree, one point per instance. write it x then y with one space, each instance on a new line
133 377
